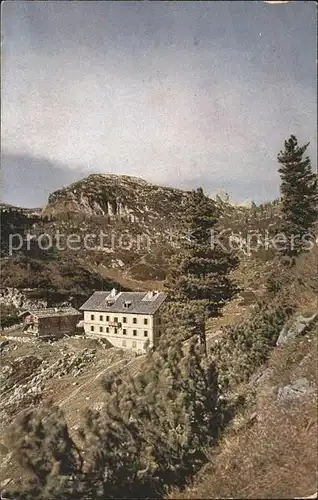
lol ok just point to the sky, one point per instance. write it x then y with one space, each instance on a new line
182 94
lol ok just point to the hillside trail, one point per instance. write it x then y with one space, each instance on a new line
6 460
102 372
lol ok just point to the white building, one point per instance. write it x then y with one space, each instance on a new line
127 319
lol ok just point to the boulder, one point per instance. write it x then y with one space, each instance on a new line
297 389
298 326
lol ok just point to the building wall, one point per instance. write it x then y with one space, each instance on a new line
133 330
57 325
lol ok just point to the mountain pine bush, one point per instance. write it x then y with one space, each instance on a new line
151 433
246 346
155 425
43 447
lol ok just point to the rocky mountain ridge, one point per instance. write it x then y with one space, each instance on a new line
123 207
112 198
119 197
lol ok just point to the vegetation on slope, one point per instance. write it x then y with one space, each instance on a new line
270 449
157 428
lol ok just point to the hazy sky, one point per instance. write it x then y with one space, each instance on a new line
179 93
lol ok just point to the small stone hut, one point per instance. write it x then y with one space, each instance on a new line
51 322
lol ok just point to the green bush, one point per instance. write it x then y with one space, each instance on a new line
246 346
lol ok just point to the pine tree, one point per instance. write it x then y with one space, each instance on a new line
200 270
42 445
185 320
299 197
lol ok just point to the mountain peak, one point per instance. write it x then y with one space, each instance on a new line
116 196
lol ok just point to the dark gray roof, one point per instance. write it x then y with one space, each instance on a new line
52 311
141 302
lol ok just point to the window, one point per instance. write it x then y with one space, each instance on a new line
107 318
92 317
107 329
115 330
145 333
92 328
145 321
124 331
115 320
159 333
134 320
101 318
124 343
134 333
134 343
159 321
101 329
124 319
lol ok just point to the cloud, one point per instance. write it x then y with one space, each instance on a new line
28 181
135 94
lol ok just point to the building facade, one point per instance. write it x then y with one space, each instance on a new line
51 322
129 320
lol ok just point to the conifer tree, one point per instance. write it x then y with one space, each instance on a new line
188 321
200 270
43 446
299 197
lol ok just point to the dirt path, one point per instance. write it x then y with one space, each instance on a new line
102 372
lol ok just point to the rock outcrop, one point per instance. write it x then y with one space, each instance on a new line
298 326
297 389
116 197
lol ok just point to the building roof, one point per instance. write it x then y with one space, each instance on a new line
140 302
52 311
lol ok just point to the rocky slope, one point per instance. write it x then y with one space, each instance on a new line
69 371
118 198
140 223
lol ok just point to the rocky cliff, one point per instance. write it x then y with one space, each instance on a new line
116 197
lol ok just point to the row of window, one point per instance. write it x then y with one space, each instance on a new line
101 318
101 330
133 343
